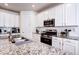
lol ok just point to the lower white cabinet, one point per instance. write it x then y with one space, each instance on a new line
71 46
57 42
68 46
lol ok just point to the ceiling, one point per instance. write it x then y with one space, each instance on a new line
27 6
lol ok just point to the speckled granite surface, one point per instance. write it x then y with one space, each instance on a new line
28 48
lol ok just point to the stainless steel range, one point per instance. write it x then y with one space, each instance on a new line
46 37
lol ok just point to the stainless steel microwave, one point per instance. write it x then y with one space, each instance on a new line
49 23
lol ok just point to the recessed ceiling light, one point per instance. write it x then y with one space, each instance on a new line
6 4
68 5
33 6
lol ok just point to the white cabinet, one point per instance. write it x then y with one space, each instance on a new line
59 15
69 46
27 23
51 13
12 23
16 20
69 49
39 20
9 19
57 42
77 13
65 15
1 19
46 15
70 14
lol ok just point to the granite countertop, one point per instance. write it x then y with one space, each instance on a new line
27 48
69 37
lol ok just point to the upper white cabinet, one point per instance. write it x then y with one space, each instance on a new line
1 19
27 23
59 15
70 14
64 14
9 19
46 15
6 19
51 13
77 13
12 20
16 20
39 19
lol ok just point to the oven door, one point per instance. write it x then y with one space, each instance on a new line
46 40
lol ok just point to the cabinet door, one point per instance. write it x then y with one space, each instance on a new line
39 21
69 46
46 15
69 49
26 25
59 15
16 20
77 13
51 13
57 42
70 12
1 19
7 20
12 18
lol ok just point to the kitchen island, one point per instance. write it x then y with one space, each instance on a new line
28 48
